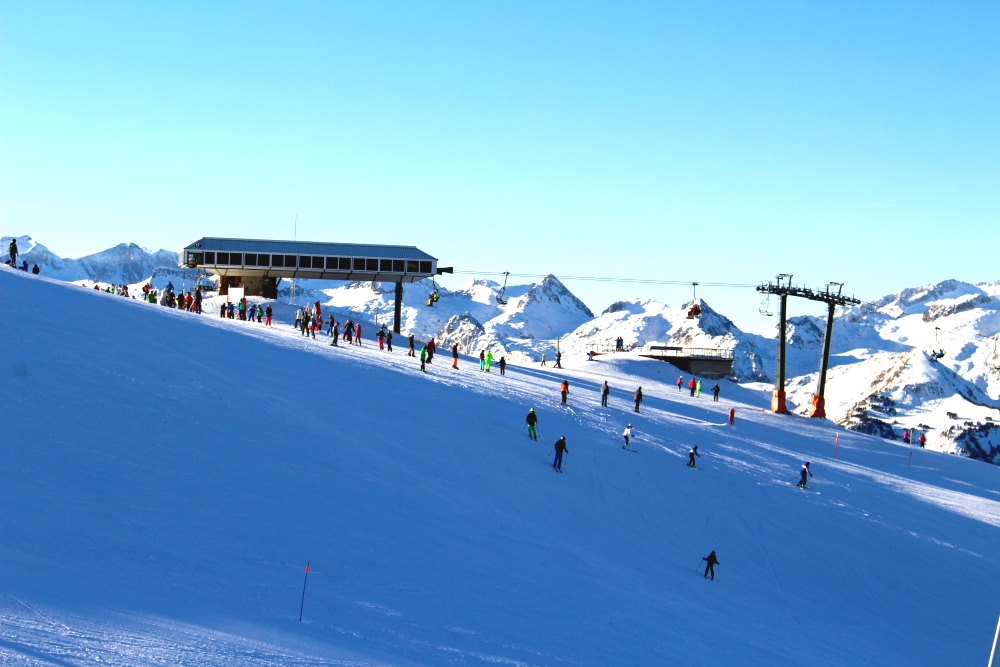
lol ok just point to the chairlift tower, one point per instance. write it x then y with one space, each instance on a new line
783 288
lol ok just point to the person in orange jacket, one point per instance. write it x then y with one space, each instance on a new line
564 390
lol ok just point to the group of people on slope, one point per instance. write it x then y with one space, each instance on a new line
12 260
695 386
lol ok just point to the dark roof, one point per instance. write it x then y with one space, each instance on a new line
310 248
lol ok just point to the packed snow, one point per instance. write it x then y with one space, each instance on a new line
167 476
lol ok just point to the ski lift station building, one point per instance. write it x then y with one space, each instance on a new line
255 265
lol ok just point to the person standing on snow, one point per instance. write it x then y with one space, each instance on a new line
12 249
558 359
605 390
638 398
697 391
411 353
503 365
715 392
711 560
431 350
922 440
336 333
560 447
454 355
627 434
357 334
691 385
805 472
482 360
564 390
543 358
680 381
489 360
693 452
423 359
531 420
732 416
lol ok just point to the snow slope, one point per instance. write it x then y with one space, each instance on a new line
166 477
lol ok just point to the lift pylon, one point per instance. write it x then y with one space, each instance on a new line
783 288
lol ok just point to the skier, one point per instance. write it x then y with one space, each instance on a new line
715 392
503 365
710 562
431 349
298 319
388 341
906 437
605 390
411 353
627 433
482 360
531 420
560 448
489 360
336 333
805 472
680 381
558 359
381 339
423 359
922 440
564 390
691 385
12 249
697 391
543 358
732 416
454 355
357 334
693 452
638 398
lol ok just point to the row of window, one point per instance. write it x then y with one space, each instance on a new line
309 262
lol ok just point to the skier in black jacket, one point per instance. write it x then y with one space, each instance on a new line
560 448
531 420
710 562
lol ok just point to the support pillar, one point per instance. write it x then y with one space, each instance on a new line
778 398
818 408
399 307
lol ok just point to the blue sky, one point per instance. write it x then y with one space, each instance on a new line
709 142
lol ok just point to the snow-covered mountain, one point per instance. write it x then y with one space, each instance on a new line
126 263
879 379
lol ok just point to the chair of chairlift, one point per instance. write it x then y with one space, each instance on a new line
500 298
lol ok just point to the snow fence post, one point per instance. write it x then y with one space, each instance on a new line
993 653
303 603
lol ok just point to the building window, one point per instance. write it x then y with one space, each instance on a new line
425 267
290 261
397 266
331 263
385 265
412 266
263 260
250 258
223 258
359 264
210 258
318 263
345 263
371 265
